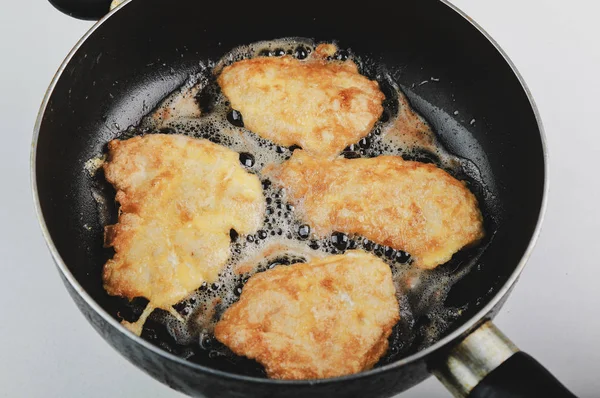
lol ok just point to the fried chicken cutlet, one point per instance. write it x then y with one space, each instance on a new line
179 199
326 318
411 206
322 106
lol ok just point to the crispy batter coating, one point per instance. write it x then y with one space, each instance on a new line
326 318
179 199
322 106
406 205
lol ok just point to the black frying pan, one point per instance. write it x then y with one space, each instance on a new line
145 49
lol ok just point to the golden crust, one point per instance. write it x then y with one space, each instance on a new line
179 198
319 105
325 50
406 205
326 318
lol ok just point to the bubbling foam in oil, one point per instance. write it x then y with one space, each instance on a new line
199 109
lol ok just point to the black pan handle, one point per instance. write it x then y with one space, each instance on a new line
84 9
486 364
520 376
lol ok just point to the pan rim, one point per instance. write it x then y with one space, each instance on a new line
470 324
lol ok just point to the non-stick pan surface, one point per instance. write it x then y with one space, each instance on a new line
452 73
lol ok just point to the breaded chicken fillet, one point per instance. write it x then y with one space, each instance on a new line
326 318
179 199
412 206
322 106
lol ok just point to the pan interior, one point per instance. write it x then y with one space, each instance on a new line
475 104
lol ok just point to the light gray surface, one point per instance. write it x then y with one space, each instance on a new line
48 350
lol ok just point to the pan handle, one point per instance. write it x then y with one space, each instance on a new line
85 9
486 364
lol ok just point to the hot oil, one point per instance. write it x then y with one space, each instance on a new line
283 239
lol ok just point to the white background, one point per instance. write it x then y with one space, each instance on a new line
47 349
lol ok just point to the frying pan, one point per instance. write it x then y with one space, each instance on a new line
452 72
